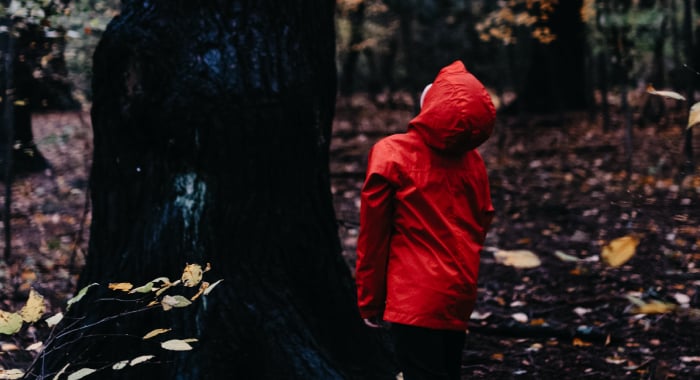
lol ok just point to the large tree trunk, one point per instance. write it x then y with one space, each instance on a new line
212 124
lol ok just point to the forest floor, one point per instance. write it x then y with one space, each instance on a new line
562 188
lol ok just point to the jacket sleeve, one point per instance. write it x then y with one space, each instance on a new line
376 220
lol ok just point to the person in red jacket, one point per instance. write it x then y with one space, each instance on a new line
425 211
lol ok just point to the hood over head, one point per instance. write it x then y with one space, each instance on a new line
457 114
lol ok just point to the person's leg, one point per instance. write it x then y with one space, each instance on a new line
420 352
454 346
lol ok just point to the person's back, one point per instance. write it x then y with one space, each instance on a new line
425 210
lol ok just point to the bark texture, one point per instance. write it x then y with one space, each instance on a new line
211 126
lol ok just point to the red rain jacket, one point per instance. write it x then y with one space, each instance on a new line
426 208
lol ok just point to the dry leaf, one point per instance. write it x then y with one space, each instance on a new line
155 333
619 251
517 258
694 116
123 286
61 371
143 289
79 374
192 275
577 342
38 346
80 295
615 360
54 320
34 308
10 323
141 359
176 345
665 94
654 307
4 347
210 287
11 374
120 365
520 317
170 302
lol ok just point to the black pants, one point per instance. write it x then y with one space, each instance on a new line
428 354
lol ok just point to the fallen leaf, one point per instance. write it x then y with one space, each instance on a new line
619 251
4 347
61 371
38 346
120 365
694 116
10 323
34 309
79 374
155 332
141 359
520 317
666 94
517 258
170 302
690 359
123 286
654 307
615 360
54 320
176 345
566 257
578 342
11 374
80 295
192 275
479 316
497 356
681 298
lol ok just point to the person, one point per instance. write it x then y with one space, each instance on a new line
424 213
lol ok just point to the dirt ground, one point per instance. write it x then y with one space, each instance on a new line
561 189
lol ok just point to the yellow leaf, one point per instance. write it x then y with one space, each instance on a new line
141 359
192 275
665 94
619 251
34 309
10 323
11 374
654 307
176 345
580 343
694 116
4 347
155 333
123 286
517 258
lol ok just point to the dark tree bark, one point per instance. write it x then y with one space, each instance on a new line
212 125
554 81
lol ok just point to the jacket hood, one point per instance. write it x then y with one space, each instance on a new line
457 113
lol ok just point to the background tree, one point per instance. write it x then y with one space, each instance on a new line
204 113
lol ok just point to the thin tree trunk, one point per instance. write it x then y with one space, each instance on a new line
690 53
347 80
